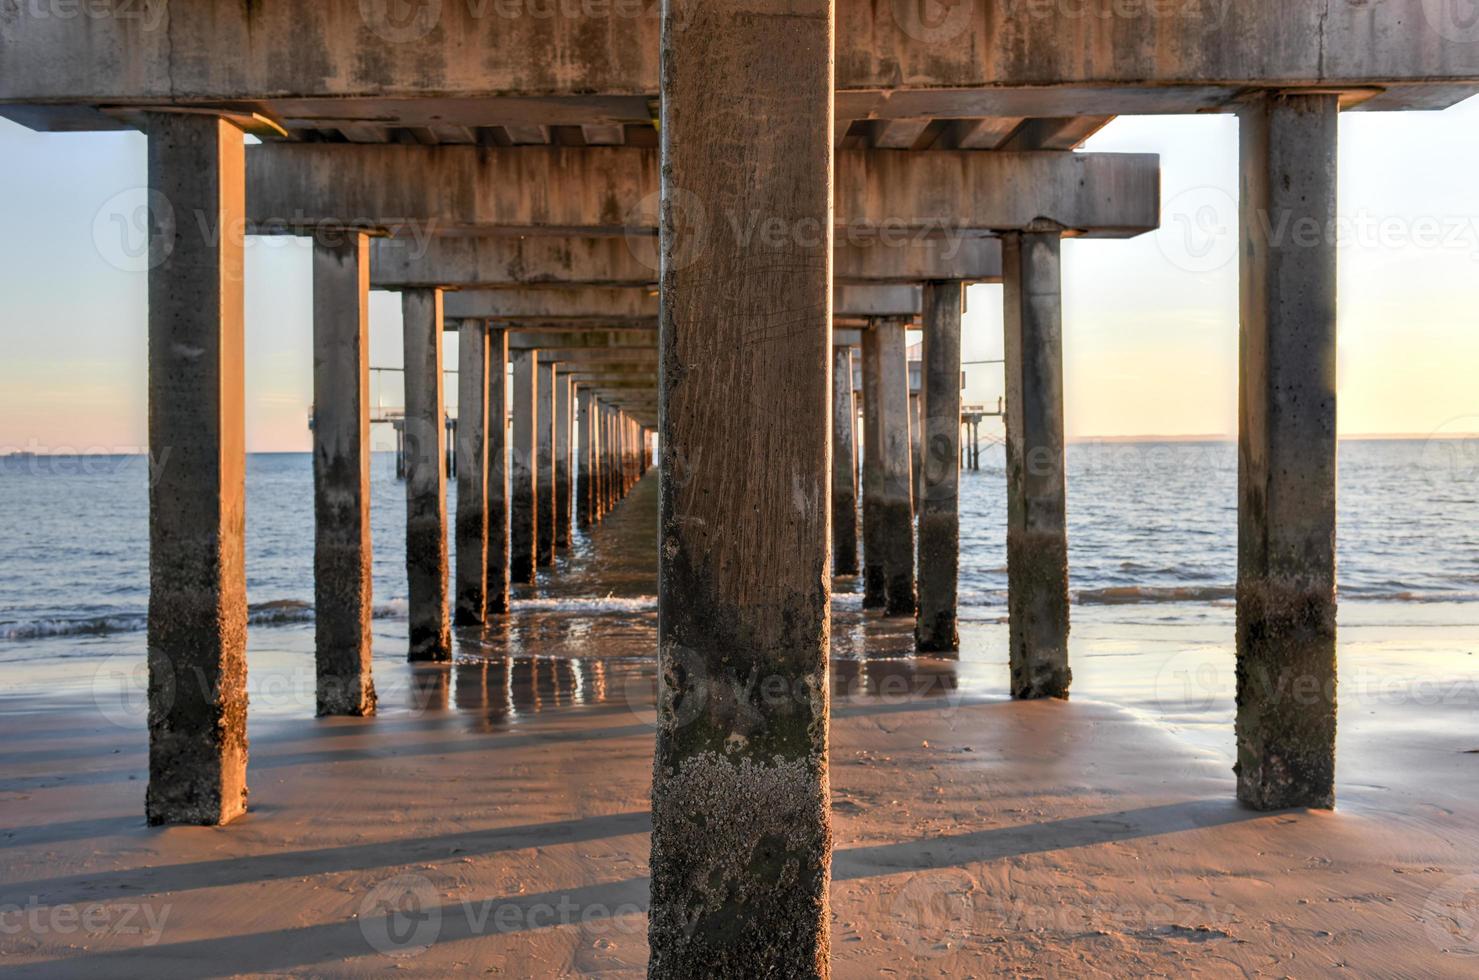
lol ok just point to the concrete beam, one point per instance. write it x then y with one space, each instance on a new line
492 262
617 341
471 65
881 195
639 307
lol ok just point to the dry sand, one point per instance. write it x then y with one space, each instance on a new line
974 837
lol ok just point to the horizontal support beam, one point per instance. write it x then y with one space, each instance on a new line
494 262
615 305
595 340
882 196
468 65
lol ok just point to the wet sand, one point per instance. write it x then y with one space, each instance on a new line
493 818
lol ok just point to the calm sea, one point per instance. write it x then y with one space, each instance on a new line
1151 524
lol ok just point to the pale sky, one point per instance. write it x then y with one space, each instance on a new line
1150 325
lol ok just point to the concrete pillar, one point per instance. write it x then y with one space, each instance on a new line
343 604
585 483
741 836
939 504
608 469
844 467
592 458
544 500
1037 535
426 481
497 574
523 470
1287 454
197 578
916 426
564 415
472 471
888 518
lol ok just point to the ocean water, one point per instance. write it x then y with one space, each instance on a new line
1150 525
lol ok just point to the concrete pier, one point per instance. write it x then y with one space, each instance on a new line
496 577
523 470
472 472
741 834
844 466
1037 535
939 479
197 516
608 460
585 482
916 426
564 416
426 482
343 602
544 443
1286 672
888 518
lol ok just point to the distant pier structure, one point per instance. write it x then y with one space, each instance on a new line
690 224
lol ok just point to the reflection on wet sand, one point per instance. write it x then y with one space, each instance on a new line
585 637
493 692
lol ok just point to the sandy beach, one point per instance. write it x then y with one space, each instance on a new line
493 818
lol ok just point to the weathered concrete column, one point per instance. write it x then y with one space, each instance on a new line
916 425
497 573
197 515
544 500
426 480
564 408
1287 454
741 836
584 478
472 471
939 505
523 469
608 458
1037 535
343 603
626 455
888 518
844 466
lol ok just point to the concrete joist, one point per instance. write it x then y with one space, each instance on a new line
455 70
639 307
881 195
492 262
